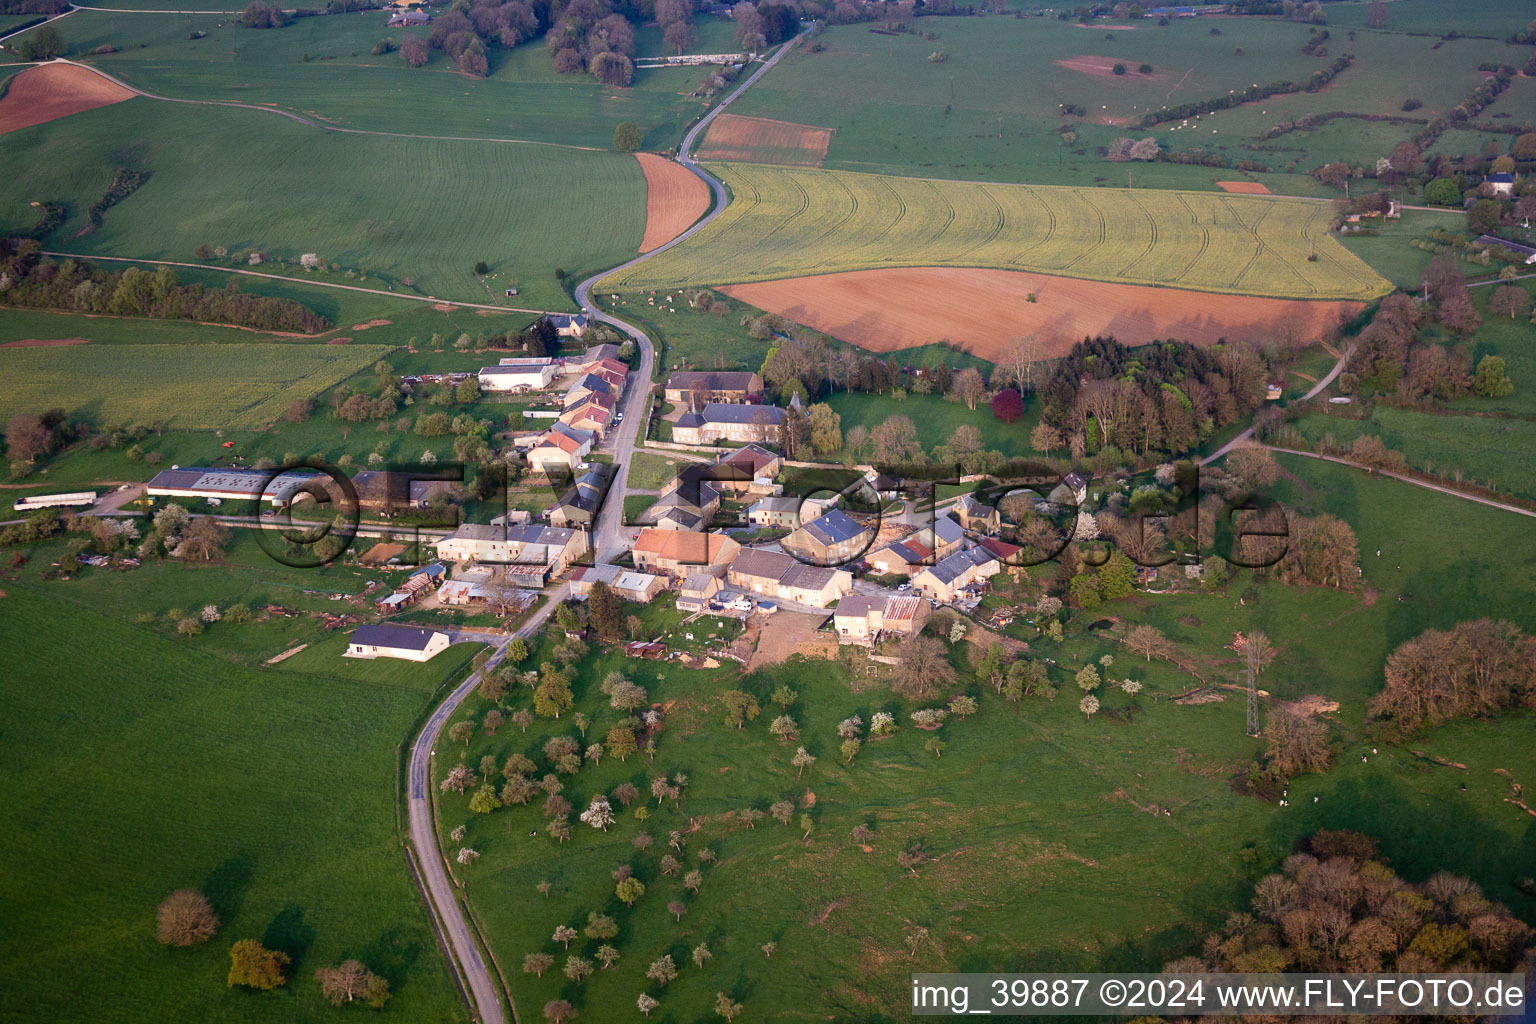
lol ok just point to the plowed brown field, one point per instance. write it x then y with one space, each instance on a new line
758 140
52 91
675 197
1246 188
983 311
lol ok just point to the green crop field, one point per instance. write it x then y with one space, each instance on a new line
1029 805
388 210
324 68
185 386
139 763
789 222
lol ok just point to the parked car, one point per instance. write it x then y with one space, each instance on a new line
904 586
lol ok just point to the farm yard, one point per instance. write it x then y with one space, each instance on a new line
791 222
675 197
984 311
732 138
235 386
385 210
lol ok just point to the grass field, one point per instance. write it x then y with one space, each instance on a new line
385 209
324 67
789 222
936 419
990 109
1388 251
1495 453
214 386
272 792
1029 803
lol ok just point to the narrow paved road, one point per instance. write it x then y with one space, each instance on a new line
1317 389
608 542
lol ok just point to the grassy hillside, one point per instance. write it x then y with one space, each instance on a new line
785 222
231 386
325 67
1029 803
137 764
991 108
387 208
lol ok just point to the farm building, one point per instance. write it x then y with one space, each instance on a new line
725 422
900 559
960 573
277 489
1526 253
408 19
408 643
72 499
545 546
465 592
869 618
833 538
702 387
394 492
775 574
519 375
629 585
678 553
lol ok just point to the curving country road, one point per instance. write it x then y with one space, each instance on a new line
1317 389
608 542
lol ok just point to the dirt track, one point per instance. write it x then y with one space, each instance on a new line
45 342
1104 67
983 311
760 140
675 197
52 91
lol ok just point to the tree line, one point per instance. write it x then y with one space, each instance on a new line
32 280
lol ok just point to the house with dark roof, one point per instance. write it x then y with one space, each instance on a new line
749 469
689 501
976 515
724 422
961 573
408 19
701 387
943 538
596 354
548 548
568 325
1072 490
777 575
579 505
1502 184
408 643
899 558
834 538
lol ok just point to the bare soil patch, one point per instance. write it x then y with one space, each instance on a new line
338 341
781 635
45 342
1247 188
763 141
370 323
52 91
1104 67
980 311
675 197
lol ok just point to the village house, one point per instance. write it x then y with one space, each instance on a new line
870 618
568 325
546 547
703 387
588 384
594 355
408 643
1071 490
976 515
787 512
749 469
722 422
594 413
561 448
408 19
834 538
696 590
774 574
943 538
627 584
678 553
900 558
689 501
579 505
961 573
1501 184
